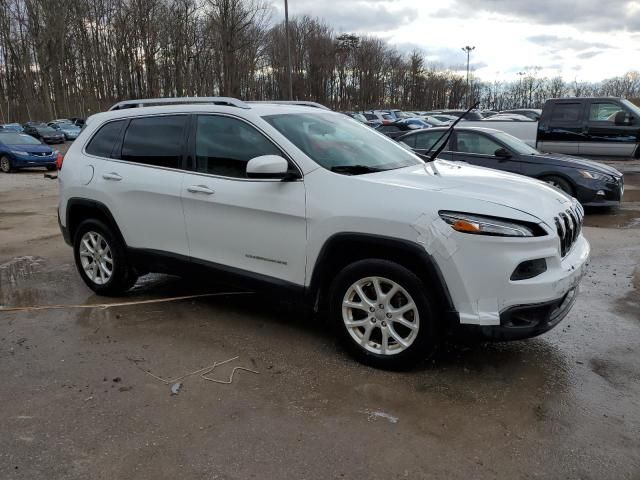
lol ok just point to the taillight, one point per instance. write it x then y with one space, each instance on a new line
59 161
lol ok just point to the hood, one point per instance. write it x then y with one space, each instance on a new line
527 195
31 148
561 160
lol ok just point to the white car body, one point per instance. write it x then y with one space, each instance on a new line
278 229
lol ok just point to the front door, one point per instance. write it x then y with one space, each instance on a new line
250 225
478 149
604 137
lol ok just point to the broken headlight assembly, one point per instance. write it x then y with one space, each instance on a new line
497 227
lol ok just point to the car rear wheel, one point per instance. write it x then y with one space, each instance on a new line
101 259
5 164
559 183
383 314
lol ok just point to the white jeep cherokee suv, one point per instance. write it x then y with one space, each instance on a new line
310 203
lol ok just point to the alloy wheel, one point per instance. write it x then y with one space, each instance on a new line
96 257
5 165
380 315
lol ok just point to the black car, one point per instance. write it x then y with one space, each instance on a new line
44 132
396 129
592 183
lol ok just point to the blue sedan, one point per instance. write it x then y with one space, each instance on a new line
19 150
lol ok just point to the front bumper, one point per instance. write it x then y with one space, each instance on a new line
526 321
478 276
59 139
20 161
601 194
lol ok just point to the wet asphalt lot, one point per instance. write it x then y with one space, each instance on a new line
77 404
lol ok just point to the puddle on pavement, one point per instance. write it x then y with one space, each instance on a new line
614 218
18 269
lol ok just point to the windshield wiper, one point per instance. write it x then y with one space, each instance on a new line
355 169
447 133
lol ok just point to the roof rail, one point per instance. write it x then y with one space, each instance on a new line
302 103
148 102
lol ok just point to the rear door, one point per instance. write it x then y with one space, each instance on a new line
563 129
141 181
479 149
604 137
251 225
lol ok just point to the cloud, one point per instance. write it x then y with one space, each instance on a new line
361 16
566 43
587 55
595 15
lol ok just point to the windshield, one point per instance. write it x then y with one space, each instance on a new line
334 141
18 139
359 117
515 144
631 106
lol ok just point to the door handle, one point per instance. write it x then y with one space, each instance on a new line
200 189
112 176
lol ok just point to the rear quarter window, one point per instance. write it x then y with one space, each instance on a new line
566 112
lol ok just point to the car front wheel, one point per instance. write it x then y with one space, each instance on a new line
5 164
383 314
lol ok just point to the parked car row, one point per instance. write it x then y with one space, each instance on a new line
55 131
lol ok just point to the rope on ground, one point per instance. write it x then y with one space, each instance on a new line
203 372
119 304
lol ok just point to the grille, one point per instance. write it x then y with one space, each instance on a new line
569 225
40 154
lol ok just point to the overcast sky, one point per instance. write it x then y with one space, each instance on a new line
584 39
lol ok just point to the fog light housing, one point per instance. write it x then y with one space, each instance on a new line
600 193
529 269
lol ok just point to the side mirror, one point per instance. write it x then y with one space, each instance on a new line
267 166
622 118
502 153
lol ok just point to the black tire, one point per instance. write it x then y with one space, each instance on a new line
560 183
5 164
123 277
424 341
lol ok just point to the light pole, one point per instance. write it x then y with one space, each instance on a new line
468 50
286 29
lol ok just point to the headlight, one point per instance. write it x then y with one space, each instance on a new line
596 176
480 225
20 152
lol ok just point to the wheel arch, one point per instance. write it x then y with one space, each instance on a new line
80 209
342 249
563 176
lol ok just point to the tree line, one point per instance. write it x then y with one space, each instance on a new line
62 58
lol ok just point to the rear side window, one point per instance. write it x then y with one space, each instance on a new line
156 141
107 137
427 140
224 145
567 112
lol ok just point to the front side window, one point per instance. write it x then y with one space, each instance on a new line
224 145
604 112
103 142
156 141
475 143
335 142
